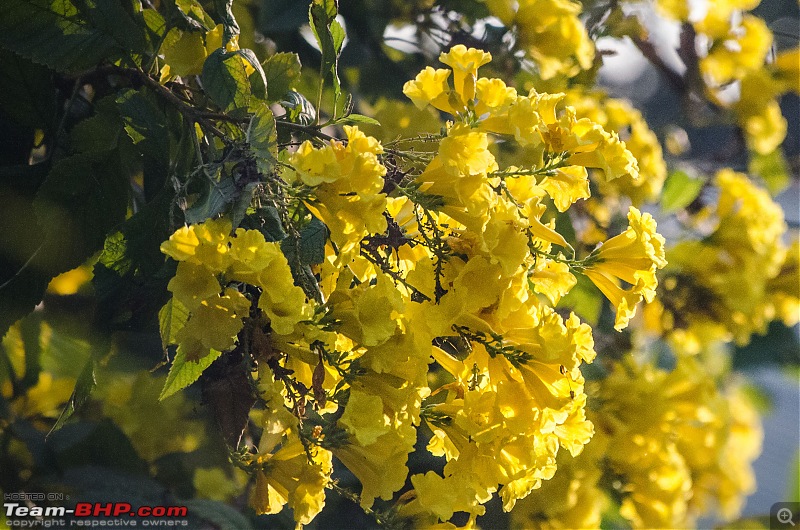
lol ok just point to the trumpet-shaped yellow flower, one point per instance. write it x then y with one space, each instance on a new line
289 477
633 257
465 63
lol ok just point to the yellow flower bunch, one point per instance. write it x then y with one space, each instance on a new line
550 32
209 259
451 259
721 287
619 116
675 442
346 183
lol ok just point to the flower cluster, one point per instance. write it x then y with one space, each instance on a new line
211 262
732 283
550 32
738 48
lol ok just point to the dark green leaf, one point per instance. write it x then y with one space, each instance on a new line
312 242
70 36
282 70
183 372
27 93
679 191
258 81
225 80
190 15
218 195
83 388
83 198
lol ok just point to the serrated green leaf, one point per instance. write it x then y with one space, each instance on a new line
357 118
263 139
70 36
679 191
773 170
225 80
282 70
84 386
183 372
171 319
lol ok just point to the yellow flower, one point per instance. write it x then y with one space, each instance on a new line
193 283
632 256
363 417
289 477
203 244
346 182
381 466
743 50
554 37
552 279
430 88
465 63
566 186
214 323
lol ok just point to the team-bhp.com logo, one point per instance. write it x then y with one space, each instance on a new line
93 514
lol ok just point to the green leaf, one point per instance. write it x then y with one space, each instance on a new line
225 80
171 319
329 35
219 193
191 15
27 93
773 170
71 36
263 139
282 71
679 191
357 118
312 242
83 198
184 372
84 386
258 80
